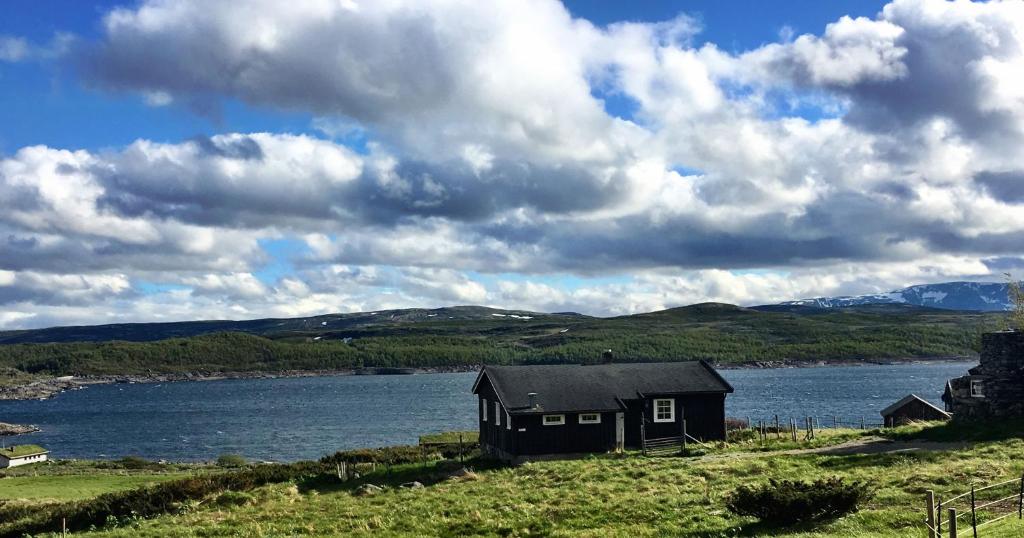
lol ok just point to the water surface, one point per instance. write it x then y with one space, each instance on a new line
300 418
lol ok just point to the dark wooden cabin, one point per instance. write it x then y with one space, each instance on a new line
534 411
911 408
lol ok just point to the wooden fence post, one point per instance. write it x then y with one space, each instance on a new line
835 422
974 515
643 437
792 428
862 423
460 448
952 523
684 435
1020 499
778 432
938 514
930 504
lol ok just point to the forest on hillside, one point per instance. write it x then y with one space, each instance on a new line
720 335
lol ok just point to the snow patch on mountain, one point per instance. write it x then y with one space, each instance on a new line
982 296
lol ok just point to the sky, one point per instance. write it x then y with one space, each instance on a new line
166 160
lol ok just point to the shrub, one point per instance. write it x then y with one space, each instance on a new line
393 454
785 502
231 460
133 463
733 424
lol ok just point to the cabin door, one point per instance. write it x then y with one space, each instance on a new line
620 431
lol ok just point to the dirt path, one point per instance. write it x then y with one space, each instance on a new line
880 445
866 445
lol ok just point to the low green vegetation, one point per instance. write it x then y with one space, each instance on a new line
599 496
718 333
231 460
782 503
67 480
450 438
19 451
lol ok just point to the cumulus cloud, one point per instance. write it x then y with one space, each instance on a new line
489 149
18 49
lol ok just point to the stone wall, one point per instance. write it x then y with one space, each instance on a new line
1001 373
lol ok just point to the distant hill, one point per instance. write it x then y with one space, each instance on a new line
468 336
272 327
976 296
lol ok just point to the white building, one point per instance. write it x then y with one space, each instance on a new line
14 456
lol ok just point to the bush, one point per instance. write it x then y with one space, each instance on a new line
231 460
133 463
733 424
394 455
785 502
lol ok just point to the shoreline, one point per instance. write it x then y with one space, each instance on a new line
42 389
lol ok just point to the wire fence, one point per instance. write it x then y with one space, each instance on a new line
978 508
803 428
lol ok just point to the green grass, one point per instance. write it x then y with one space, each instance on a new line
74 480
718 333
449 438
18 451
67 488
603 497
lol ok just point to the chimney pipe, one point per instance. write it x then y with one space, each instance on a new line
533 400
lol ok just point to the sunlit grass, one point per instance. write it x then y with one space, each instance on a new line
604 496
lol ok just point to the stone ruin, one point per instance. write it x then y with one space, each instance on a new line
994 388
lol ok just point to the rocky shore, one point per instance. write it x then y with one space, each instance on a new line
44 388
802 363
15 429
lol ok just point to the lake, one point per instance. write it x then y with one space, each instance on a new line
308 417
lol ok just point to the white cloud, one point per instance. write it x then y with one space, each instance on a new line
13 49
489 150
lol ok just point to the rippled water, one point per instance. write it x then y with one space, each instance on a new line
298 418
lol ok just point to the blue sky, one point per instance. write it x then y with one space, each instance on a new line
46 103
246 160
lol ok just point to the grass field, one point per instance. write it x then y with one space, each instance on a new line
610 496
74 480
71 487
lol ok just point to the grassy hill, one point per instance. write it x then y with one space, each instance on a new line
472 335
600 496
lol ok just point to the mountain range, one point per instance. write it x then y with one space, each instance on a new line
913 301
972 296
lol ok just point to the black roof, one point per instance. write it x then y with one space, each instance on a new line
907 400
599 387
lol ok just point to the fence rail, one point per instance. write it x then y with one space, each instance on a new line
935 523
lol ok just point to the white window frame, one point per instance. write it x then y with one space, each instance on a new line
977 388
483 406
671 410
497 413
508 420
595 420
560 420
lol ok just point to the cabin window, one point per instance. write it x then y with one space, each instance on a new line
590 418
508 421
554 420
977 388
483 409
665 410
497 413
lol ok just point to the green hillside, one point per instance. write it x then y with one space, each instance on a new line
714 332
